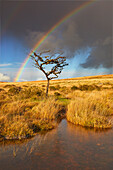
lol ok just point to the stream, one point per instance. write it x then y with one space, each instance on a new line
66 147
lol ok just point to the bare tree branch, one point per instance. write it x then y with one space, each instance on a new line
57 60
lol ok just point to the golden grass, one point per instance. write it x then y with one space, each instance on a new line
91 110
22 119
25 111
47 109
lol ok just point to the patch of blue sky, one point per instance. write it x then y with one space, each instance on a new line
80 56
12 51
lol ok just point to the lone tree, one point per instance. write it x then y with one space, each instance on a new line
57 60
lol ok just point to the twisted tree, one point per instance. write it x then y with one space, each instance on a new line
57 60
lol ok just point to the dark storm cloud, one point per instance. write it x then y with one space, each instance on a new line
33 15
91 27
98 34
101 55
64 39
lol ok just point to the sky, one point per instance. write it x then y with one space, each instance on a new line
85 38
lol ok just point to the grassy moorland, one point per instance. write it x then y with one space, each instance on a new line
24 110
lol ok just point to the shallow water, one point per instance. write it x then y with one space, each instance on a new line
66 147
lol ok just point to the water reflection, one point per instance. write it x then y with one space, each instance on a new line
66 147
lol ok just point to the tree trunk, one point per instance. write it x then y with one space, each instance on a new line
47 87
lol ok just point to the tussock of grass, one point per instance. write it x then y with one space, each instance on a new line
30 92
1 90
9 85
57 87
17 128
52 88
47 109
14 90
86 87
57 94
92 111
16 107
21 119
74 88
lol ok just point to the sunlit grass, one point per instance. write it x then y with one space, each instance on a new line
92 111
24 110
22 118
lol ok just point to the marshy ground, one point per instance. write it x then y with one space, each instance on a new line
24 110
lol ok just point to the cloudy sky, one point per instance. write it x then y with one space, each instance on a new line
85 38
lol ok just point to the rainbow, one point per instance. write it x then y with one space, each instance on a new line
39 43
